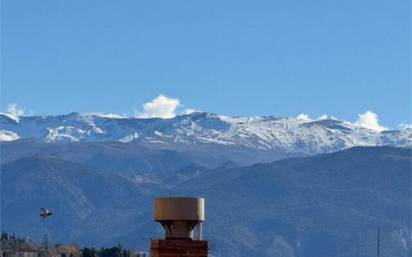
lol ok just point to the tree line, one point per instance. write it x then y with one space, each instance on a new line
11 245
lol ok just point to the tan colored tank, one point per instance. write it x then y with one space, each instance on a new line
180 215
179 208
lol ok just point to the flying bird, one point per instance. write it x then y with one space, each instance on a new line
45 213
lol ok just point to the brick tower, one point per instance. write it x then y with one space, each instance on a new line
179 216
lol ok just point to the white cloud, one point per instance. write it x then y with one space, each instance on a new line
369 120
163 107
405 126
306 117
326 117
15 110
303 116
189 111
160 107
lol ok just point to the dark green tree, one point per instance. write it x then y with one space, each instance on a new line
86 252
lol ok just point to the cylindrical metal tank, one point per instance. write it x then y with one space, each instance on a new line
180 215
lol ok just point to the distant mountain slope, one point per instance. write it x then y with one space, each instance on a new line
76 194
327 205
204 132
116 157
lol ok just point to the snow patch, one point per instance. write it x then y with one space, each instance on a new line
8 136
65 134
129 138
11 116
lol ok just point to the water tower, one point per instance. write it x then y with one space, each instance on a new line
179 216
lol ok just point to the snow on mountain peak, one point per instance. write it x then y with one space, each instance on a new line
11 116
286 134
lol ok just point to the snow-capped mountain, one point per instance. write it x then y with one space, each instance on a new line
100 173
287 135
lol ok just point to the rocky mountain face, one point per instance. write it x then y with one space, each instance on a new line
323 205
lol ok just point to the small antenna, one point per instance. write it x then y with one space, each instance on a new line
379 241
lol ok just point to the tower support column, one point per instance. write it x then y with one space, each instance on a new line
179 248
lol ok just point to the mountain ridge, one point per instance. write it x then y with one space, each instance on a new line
201 130
323 205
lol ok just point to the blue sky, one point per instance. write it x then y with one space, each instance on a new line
232 57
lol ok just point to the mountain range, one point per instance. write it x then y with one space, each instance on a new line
323 205
273 186
244 140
